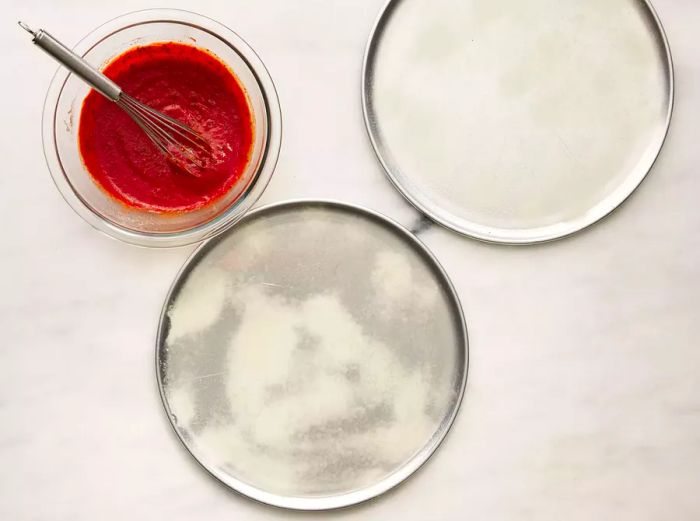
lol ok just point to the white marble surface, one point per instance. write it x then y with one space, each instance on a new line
583 400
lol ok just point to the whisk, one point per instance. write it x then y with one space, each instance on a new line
180 144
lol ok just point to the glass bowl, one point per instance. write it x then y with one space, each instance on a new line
61 118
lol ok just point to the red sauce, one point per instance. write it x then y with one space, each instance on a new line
188 84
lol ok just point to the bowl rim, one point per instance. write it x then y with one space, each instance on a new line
238 208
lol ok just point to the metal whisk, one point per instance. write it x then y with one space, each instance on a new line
182 145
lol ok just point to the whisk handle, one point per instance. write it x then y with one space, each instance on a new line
77 65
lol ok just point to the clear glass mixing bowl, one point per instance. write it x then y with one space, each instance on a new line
61 119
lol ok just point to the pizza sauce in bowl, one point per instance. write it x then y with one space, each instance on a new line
193 69
183 82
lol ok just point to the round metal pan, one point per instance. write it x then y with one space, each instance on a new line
517 122
312 357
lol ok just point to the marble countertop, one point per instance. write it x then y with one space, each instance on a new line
583 399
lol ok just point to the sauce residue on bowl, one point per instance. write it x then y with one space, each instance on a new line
188 84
